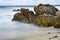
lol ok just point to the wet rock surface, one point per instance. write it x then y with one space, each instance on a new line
46 16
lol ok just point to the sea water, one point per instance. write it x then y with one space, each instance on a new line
12 29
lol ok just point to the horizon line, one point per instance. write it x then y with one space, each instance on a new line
22 5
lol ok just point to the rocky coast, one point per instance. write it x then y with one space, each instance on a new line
44 15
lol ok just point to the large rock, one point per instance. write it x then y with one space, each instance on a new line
45 8
19 17
42 16
25 16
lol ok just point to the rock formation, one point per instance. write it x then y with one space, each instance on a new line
46 16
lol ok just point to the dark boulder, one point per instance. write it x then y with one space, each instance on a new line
45 8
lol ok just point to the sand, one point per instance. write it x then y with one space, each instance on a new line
47 36
52 36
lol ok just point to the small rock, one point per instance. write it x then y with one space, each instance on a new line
16 10
49 33
55 36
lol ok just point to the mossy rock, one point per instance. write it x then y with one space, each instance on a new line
16 16
25 15
41 21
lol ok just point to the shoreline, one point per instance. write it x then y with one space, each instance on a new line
52 36
47 36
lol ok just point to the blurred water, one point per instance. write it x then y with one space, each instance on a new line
12 29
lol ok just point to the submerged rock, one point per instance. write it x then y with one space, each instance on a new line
16 10
45 8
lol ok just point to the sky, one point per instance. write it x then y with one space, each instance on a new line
28 2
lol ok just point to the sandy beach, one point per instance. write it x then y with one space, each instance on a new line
47 36
52 36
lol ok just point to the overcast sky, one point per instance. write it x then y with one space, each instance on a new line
28 2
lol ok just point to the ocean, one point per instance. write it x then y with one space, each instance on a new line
12 29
